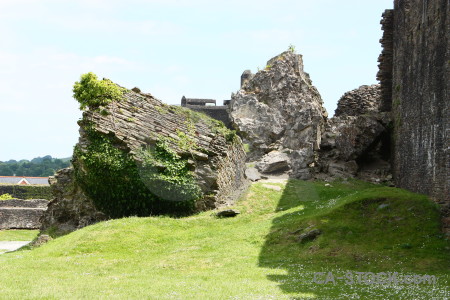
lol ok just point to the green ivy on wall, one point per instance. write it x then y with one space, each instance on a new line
119 187
168 175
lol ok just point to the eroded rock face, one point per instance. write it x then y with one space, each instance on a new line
133 128
278 109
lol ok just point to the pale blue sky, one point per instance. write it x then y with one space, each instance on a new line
168 48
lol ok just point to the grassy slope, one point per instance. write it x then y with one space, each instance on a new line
18 235
252 256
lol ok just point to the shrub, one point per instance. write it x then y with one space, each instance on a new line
291 48
27 191
6 197
91 92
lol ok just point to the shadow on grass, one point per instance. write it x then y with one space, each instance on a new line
351 241
280 250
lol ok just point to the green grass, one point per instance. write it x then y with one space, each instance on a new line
252 256
18 235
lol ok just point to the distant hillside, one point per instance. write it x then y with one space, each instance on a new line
37 167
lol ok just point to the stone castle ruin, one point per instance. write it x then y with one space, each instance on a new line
395 132
414 75
145 140
209 108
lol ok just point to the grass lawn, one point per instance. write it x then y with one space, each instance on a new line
256 255
18 235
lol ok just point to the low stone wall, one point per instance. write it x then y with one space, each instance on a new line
21 214
36 203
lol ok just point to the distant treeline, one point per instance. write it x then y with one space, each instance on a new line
37 167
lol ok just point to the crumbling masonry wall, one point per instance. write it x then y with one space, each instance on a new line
216 112
385 60
139 122
418 31
21 214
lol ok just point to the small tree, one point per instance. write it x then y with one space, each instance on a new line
291 48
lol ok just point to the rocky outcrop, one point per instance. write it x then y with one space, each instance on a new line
128 153
278 109
279 114
21 214
41 240
363 100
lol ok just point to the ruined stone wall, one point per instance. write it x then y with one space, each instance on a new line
420 96
21 214
141 119
384 74
214 155
363 100
27 191
216 112
70 209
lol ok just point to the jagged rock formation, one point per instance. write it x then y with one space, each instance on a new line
363 100
139 132
278 109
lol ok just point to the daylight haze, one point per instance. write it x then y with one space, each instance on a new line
169 49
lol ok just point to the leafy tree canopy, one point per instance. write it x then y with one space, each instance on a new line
37 167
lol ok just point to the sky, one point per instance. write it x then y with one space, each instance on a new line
168 48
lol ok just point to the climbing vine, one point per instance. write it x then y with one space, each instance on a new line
119 187
168 174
